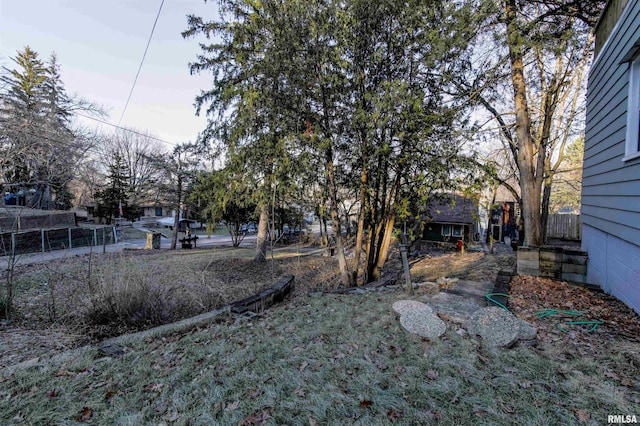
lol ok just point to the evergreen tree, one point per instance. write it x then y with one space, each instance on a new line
21 116
114 198
347 86
40 149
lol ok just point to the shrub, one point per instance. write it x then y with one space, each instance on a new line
3 306
123 295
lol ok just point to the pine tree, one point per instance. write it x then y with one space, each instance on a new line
39 147
21 117
115 195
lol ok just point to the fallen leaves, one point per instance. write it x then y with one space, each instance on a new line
256 419
365 403
86 414
432 374
393 415
233 406
531 295
582 415
154 387
62 373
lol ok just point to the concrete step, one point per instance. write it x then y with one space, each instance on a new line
471 288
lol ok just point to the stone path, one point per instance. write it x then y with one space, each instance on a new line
464 302
418 318
460 300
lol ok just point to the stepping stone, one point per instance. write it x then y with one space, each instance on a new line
498 327
471 288
528 333
403 306
457 308
423 323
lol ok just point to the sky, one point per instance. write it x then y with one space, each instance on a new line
99 45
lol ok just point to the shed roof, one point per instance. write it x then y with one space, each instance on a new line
453 208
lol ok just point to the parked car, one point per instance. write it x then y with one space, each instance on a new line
168 222
249 229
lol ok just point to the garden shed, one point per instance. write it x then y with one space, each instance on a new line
450 219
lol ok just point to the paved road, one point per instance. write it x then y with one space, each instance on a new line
165 243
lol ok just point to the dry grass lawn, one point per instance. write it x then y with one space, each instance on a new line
315 359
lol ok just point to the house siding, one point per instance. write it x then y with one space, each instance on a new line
610 199
433 232
614 264
611 187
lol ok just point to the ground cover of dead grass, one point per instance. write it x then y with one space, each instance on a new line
320 359
475 265
82 299
343 359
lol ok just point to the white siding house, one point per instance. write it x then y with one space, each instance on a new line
611 174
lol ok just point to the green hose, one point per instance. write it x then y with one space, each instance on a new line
594 325
548 312
491 299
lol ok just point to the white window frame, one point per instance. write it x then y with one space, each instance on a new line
443 228
456 231
632 150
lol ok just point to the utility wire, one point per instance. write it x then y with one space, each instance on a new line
141 62
125 129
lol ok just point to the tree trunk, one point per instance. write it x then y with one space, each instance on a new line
174 233
345 276
383 253
546 196
261 242
374 232
324 241
176 219
489 224
360 230
530 182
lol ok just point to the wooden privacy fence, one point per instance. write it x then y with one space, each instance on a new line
564 226
44 240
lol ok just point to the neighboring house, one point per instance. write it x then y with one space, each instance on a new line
155 210
149 212
451 219
503 220
611 173
499 213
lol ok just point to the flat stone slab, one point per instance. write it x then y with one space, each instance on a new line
456 307
405 306
498 327
423 323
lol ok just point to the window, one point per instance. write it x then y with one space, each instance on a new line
446 230
158 211
457 231
632 146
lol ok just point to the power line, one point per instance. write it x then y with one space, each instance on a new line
125 129
141 62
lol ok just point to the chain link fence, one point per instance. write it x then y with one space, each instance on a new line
45 240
